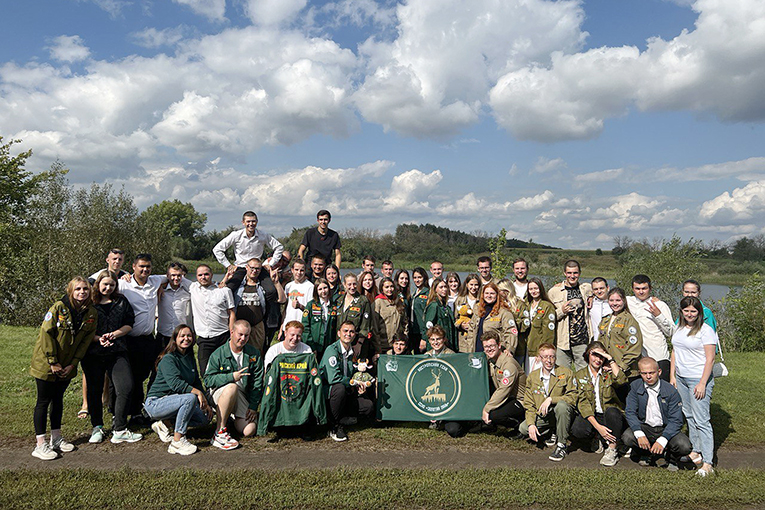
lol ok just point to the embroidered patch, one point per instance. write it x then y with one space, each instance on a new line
317 381
314 371
551 316
333 361
514 331
48 316
506 373
505 381
632 330
268 391
526 322
270 379
551 326
429 324
366 315
511 323
525 313
633 340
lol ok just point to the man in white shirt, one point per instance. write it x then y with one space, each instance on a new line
140 289
599 307
174 304
299 292
655 320
521 272
213 311
248 243
293 332
114 260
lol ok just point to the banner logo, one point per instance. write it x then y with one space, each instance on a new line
433 387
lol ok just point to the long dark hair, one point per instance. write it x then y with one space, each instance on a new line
173 347
696 325
542 291
406 293
421 271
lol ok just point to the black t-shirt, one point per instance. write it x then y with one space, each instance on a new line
249 308
324 245
577 326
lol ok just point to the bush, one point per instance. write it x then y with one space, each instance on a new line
741 317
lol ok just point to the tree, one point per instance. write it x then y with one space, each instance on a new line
741 321
181 221
501 261
16 184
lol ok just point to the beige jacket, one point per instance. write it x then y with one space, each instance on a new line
557 295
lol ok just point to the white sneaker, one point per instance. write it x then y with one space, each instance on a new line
125 436
44 452
60 445
610 458
162 431
182 447
97 436
223 440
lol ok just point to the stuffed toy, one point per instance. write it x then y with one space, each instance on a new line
361 377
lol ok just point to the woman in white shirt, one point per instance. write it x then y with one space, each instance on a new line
693 354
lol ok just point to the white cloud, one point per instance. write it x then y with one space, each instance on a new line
742 205
717 68
631 212
113 7
361 13
69 48
749 169
601 176
545 165
535 202
410 190
273 12
213 10
152 38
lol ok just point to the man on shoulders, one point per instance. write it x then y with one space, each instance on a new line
521 272
549 402
693 288
235 380
483 265
213 311
174 306
598 306
293 332
654 414
570 298
321 240
114 260
248 243
655 320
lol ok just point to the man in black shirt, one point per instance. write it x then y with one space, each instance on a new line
321 239
250 300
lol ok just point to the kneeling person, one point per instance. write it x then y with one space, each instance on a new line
346 401
505 407
549 401
235 379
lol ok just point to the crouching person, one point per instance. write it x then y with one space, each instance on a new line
600 415
505 407
177 393
347 402
655 416
549 401
235 378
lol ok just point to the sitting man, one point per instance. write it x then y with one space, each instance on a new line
654 414
505 407
549 399
293 332
234 377
600 415
346 401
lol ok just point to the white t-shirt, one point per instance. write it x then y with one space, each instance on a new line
689 350
279 348
303 292
520 289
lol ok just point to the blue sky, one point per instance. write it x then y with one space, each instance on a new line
566 122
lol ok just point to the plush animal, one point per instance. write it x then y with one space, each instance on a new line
361 377
464 313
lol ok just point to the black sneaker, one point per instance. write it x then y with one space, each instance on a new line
558 454
338 434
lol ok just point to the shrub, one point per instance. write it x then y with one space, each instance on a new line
741 317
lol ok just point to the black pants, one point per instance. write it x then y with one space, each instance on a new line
345 401
676 447
49 394
207 346
612 418
142 355
510 414
664 365
117 367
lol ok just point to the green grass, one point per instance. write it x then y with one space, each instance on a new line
737 419
383 488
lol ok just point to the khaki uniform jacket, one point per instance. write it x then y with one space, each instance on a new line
586 391
621 335
562 388
557 295
460 306
541 326
509 381
58 342
503 323
392 320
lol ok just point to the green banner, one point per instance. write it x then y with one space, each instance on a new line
453 387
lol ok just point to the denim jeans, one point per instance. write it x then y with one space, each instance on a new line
697 415
184 406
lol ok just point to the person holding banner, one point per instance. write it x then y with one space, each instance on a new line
549 401
437 339
505 407
346 401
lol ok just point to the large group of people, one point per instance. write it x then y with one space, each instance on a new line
576 363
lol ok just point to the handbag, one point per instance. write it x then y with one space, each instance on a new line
719 369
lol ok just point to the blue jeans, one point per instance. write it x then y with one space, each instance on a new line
184 406
697 415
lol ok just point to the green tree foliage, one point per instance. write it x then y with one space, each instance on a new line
16 184
749 248
667 262
183 224
741 321
501 259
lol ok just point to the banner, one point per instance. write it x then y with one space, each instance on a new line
453 387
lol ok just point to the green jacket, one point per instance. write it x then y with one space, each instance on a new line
294 392
332 366
586 391
176 374
59 342
541 327
436 313
419 302
222 365
561 388
319 332
623 340
359 312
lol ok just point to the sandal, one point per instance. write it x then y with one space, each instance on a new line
82 413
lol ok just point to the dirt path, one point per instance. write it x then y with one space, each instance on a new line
327 456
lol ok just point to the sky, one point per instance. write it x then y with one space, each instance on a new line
566 122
